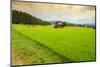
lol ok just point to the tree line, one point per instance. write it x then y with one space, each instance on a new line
19 17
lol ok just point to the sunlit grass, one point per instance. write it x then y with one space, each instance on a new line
75 43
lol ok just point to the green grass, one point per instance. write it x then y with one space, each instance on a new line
28 51
72 43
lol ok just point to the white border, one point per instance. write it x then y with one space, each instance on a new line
5 33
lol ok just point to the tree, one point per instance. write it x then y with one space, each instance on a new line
19 17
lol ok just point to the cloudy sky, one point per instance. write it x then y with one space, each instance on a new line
54 12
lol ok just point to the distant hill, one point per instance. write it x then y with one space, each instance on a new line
92 24
51 22
69 23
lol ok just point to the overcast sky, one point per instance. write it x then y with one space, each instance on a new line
54 12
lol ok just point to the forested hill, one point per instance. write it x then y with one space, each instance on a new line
19 17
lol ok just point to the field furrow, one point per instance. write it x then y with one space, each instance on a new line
73 43
28 51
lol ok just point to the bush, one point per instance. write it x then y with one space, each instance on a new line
55 26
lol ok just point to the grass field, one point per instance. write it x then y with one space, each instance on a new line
46 44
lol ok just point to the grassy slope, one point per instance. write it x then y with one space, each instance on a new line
76 43
27 51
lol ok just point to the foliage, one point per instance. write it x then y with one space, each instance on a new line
19 17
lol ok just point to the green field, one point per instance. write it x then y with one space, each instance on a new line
41 44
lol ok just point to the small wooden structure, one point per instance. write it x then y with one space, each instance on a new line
59 24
